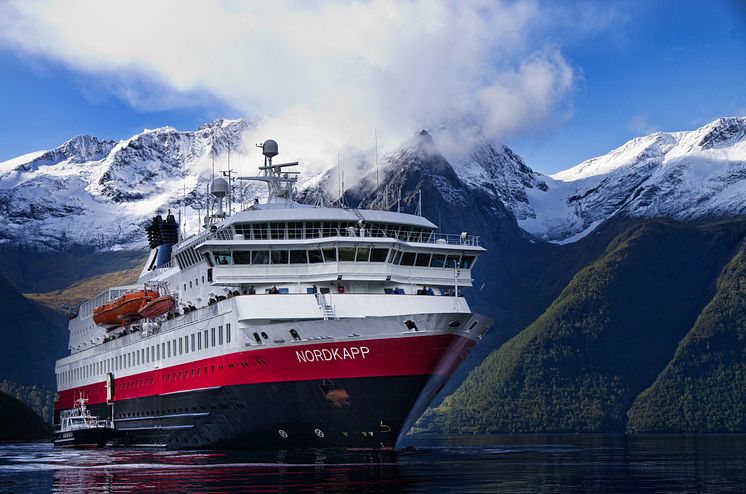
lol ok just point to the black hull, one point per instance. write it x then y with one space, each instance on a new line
366 412
84 438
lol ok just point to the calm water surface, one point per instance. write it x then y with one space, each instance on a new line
522 464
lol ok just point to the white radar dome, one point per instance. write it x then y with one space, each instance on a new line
219 187
269 148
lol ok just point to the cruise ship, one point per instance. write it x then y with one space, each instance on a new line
280 326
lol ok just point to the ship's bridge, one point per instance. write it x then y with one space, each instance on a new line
318 245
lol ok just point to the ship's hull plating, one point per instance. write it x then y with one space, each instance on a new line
353 393
355 413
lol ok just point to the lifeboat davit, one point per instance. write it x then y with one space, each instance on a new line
157 307
123 309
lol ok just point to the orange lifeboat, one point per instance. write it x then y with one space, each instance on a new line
123 309
157 307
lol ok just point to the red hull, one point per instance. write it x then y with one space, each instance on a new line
404 356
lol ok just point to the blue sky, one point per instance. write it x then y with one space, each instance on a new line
661 65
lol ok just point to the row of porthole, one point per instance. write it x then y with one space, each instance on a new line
283 434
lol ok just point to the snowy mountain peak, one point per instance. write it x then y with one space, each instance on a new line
99 193
722 132
682 175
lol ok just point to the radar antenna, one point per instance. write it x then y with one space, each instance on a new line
280 182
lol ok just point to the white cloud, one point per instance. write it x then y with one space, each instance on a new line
641 125
322 74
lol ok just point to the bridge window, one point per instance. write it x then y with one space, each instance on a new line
241 257
467 261
221 258
363 254
407 258
452 261
315 256
438 261
330 254
378 255
279 256
422 260
260 257
298 257
347 253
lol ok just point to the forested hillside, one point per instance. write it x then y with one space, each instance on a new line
607 336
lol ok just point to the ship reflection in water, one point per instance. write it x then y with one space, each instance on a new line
522 464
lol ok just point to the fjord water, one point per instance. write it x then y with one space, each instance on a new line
520 464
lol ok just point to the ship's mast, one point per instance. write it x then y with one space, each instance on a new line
281 183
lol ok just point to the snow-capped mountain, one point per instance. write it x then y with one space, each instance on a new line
684 175
100 193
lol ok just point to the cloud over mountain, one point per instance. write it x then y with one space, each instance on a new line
323 75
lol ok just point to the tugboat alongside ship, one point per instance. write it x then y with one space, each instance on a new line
280 326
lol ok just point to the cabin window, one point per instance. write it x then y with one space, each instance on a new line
279 256
378 255
212 334
260 257
347 253
315 256
228 333
157 352
422 260
330 254
186 344
207 343
173 343
407 258
220 335
241 257
169 349
199 341
438 261
190 284
467 261
193 347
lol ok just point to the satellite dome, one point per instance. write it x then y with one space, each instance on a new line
219 187
269 148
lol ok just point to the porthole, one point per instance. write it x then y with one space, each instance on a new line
264 335
319 432
454 324
283 434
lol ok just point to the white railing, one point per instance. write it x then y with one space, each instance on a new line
330 233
